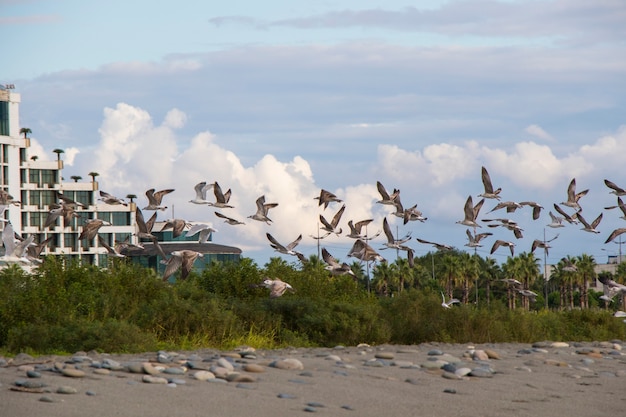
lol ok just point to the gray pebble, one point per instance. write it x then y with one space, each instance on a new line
33 374
46 399
90 393
449 391
66 390
315 404
287 396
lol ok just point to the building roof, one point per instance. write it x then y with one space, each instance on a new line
204 248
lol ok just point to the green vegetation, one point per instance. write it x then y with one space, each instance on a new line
65 307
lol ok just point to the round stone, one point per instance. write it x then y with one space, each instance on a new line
73 372
149 369
66 390
288 364
253 367
384 355
154 379
203 375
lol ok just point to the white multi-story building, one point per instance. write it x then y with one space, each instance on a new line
36 184
35 187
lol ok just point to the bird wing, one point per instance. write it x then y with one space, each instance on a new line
294 243
387 231
275 243
172 264
381 189
158 196
615 234
337 216
150 197
486 181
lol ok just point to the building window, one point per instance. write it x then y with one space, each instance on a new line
48 176
4 118
48 198
83 197
33 177
35 198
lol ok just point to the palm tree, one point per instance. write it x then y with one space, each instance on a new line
76 178
490 270
25 131
529 270
93 176
452 273
34 158
586 269
511 269
384 278
131 197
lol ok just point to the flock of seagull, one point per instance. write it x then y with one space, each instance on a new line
26 251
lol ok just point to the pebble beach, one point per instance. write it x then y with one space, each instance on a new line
540 379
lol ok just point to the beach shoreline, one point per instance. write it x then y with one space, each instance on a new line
432 379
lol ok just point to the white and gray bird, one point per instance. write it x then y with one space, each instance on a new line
474 239
333 266
332 226
221 199
326 197
201 189
155 199
471 213
591 228
229 220
262 208
180 259
448 304
392 242
572 196
355 230
499 243
276 286
111 199
489 192
386 198
284 249
202 230
615 189
91 228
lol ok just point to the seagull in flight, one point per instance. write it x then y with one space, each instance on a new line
288 249
333 266
489 191
111 199
355 230
393 243
448 304
228 220
155 198
573 196
438 246
202 230
474 239
221 199
180 259
332 225
619 191
386 198
276 286
201 189
261 210
499 243
591 228
326 197
471 212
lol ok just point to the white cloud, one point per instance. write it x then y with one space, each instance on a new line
70 155
538 132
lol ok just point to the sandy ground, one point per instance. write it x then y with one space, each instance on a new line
581 379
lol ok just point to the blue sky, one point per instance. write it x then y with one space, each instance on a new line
284 98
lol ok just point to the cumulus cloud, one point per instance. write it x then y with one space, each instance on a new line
70 155
136 153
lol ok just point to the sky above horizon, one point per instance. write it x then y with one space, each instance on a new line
285 98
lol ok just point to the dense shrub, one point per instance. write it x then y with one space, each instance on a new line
64 306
